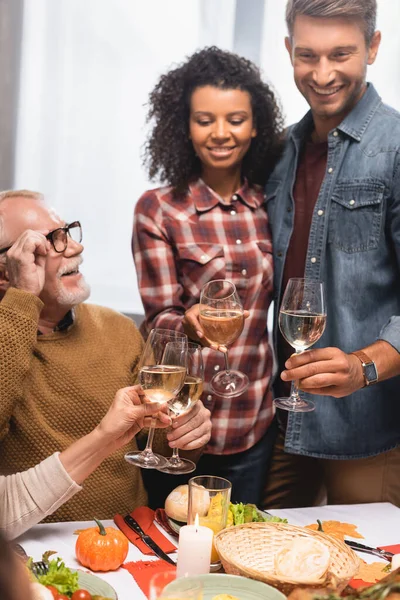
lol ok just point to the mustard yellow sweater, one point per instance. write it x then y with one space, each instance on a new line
56 388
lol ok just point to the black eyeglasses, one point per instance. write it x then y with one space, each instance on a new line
59 237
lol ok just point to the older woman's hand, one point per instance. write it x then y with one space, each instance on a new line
128 414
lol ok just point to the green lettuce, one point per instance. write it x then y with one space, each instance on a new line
249 513
61 577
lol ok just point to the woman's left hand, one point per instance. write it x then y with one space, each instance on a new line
191 430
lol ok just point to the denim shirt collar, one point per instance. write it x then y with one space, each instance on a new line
354 124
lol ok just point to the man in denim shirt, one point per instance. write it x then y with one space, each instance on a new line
334 208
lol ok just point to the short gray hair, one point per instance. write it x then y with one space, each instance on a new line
360 10
14 194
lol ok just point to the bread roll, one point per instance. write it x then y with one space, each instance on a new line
176 504
303 560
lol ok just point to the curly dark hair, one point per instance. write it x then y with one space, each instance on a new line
169 153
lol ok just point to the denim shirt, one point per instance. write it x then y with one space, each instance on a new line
354 248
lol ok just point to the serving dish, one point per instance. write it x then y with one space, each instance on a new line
240 587
95 585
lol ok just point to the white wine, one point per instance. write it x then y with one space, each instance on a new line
189 394
300 328
222 327
161 382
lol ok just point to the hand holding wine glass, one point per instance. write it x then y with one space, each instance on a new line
162 371
302 319
182 402
222 320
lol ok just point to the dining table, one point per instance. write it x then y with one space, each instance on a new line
378 523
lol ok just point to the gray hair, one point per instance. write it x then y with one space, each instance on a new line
361 10
13 194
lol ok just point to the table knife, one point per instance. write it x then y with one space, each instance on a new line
134 525
368 550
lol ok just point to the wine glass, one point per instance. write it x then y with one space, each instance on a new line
222 320
302 319
187 397
162 371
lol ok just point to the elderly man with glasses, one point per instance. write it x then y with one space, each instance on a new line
62 361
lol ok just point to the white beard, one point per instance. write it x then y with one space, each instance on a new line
72 298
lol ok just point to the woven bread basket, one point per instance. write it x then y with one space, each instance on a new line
250 549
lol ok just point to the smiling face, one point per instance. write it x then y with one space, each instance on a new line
221 127
330 59
64 285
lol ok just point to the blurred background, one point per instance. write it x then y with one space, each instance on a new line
75 76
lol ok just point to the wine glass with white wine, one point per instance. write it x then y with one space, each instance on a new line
222 320
187 397
162 372
302 319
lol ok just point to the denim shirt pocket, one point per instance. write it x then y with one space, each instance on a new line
198 263
356 216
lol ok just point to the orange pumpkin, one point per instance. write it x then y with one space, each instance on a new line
101 548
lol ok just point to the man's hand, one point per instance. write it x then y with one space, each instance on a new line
192 429
194 331
325 371
26 262
128 414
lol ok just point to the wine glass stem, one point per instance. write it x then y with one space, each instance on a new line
294 390
149 445
226 362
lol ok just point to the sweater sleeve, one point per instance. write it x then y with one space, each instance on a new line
29 497
19 316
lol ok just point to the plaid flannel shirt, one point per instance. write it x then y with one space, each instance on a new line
181 243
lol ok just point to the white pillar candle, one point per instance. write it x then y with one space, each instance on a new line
396 562
194 549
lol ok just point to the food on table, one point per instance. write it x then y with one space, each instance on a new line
58 576
248 513
225 597
303 560
40 592
101 548
336 529
176 504
386 589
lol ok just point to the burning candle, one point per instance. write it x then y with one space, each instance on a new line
194 549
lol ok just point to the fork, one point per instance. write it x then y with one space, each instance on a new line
38 568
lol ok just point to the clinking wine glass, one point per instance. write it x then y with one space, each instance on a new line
162 371
302 319
182 402
222 320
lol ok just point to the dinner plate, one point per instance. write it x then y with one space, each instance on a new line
240 587
95 585
175 526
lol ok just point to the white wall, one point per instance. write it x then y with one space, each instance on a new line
87 69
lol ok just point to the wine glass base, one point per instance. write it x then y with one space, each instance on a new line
229 383
146 461
183 465
297 405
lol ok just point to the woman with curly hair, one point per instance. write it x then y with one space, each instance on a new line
216 135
